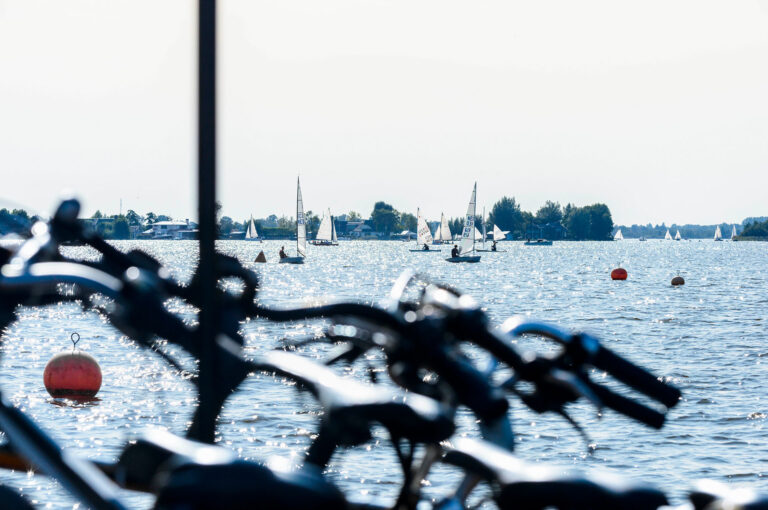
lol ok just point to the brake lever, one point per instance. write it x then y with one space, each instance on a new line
554 387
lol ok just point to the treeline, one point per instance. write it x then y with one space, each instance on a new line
756 229
16 221
551 221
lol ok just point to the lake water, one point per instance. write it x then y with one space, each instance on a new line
708 336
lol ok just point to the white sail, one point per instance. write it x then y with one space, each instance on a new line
334 237
733 233
251 232
499 234
301 227
478 235
718 234
324 231
668 237
423 235
617 236
678 237
445 229
468 234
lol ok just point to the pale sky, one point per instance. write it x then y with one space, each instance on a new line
657 108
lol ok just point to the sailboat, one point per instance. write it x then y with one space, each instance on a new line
443 231
617 236
667 237
326 232
423 235
467 244
718 234
251 234
301 231
484 236
678 237
733 234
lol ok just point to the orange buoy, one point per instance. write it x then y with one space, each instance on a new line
678 280
261 257
74 374
619 274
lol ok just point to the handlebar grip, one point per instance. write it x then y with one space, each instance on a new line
471 387
628 407
634 376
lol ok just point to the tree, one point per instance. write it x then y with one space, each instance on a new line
601 222
550 212
353 216
456 225
312 221
133 218
384 217
577 222
121 229
225 226
591 222
407 222
97 215
286 222
150 218
506 215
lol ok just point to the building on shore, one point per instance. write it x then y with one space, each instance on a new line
176 230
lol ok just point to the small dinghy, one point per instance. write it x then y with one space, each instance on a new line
443 232
251 234
467 245
326 233
423 235
301 231
498 235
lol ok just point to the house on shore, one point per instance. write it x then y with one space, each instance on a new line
359 230
176 230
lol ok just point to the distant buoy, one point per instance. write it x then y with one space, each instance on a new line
619 274
261 257
678 280
74 374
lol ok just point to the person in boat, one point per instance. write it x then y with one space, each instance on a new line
282 252
455 251
493 246
425 247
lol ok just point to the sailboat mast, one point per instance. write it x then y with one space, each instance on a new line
418 215
474 214
485 234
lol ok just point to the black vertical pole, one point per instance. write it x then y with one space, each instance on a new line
206 196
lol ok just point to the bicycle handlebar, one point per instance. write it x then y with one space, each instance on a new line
586 349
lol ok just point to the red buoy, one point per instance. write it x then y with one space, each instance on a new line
678 280
619 274
73 374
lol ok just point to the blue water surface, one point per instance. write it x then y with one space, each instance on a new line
708 337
